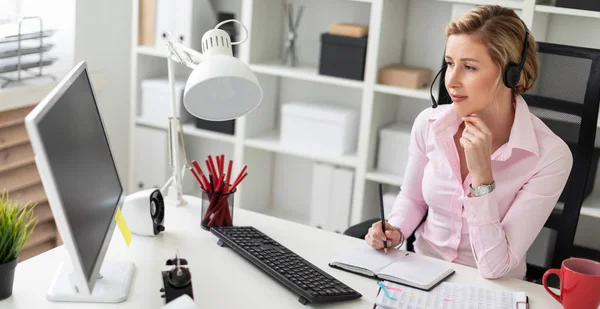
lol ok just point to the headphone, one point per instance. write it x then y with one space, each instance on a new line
510 76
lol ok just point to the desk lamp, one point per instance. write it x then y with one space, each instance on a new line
220 88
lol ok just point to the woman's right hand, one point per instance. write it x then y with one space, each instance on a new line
375 236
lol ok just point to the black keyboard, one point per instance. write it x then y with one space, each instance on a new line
291 270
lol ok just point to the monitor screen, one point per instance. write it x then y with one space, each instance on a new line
80 159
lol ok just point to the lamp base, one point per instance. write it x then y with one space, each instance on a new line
174 197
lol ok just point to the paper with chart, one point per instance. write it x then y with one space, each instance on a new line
446 296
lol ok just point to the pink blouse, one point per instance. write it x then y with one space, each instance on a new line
492 232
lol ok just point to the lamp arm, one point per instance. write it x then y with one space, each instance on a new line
184 55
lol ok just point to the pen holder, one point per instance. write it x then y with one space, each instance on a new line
217 209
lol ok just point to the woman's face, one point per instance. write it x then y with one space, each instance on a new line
471 75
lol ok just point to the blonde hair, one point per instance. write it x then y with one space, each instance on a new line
502 32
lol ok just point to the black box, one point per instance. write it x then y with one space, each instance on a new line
227 127
343 56
590 5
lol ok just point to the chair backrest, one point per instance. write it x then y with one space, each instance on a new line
566 97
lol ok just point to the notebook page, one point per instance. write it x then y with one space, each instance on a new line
445 296
416 269
369 258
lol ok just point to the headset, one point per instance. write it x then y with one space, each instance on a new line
510 76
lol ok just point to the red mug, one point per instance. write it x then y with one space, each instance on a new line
579 283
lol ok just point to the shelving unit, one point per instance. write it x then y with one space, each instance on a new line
271 142
151 51
303 73
384 178
513 4
190 130
422 94
565 11
410 32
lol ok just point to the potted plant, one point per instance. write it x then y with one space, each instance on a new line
16 225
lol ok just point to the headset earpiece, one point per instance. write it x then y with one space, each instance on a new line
512 72
512 75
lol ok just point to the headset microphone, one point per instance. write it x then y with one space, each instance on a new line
434 103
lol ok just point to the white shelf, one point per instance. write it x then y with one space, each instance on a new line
422 93
150 124
270 141
385 178
566 11
591 205
151 51
303 73
191 130
513 4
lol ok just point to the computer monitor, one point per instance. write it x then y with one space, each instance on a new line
80 178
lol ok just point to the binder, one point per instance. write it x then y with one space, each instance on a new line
151 158
165 22
187 20
320 195
341 199
147 22
183 22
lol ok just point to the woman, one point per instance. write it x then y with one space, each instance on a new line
487 171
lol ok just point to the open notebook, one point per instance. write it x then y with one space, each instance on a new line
397 266
448 296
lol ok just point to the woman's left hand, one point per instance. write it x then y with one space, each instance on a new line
477 142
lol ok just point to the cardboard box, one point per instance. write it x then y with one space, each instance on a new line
353 30
404 76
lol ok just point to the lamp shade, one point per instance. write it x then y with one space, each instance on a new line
221 88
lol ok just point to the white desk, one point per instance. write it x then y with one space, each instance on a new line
222 278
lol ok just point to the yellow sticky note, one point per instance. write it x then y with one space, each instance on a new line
123 226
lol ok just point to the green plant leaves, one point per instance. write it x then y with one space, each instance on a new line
16 225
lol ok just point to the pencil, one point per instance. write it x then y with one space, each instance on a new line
382 217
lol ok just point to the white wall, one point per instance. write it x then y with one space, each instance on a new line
59 15
98 32
103 40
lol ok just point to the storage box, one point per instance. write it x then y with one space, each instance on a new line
591 5
156 101
323 128
352 30
343 56
404 76
392 154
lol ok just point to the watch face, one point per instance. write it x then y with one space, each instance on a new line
482 189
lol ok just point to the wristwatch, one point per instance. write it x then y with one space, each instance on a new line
482 189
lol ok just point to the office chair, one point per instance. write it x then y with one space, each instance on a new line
566 98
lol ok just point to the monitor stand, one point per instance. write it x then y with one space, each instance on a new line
112 287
